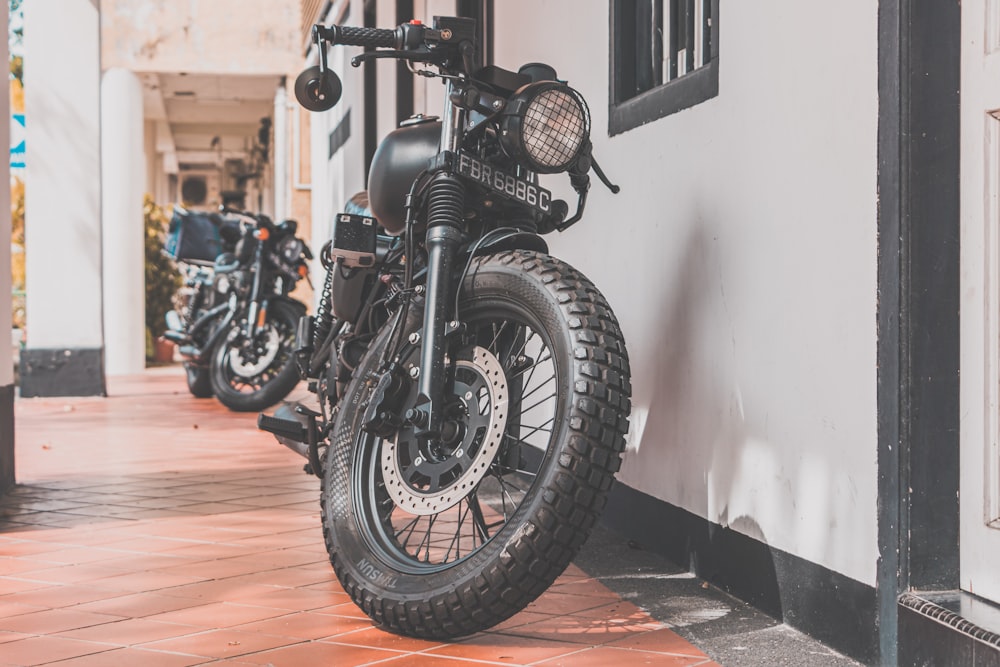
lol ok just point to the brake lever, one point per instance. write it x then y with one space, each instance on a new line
604 179
420 56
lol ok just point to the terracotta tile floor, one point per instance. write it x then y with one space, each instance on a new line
151 528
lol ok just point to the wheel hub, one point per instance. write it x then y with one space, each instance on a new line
427 478
259 355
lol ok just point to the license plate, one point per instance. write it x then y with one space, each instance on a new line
505 184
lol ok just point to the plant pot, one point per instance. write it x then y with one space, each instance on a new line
163 351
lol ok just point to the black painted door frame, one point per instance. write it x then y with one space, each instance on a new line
918 297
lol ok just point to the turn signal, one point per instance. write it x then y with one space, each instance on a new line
261 233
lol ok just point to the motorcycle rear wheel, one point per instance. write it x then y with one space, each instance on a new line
257 390
451 541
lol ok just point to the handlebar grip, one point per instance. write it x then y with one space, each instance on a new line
374 37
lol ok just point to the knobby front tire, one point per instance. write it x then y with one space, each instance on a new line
454 541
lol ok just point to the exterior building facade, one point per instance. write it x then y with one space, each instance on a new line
803 217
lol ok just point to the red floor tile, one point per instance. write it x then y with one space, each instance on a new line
218 615
306 626
319 653
220 644
51 621
130 632
603 656
506 649
127 657
40 650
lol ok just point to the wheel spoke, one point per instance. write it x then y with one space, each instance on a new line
432 540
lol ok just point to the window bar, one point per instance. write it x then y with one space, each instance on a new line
699 34
689 35
656 41
706 31
666 15
675 26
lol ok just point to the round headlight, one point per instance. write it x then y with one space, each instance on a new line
291 249
545 125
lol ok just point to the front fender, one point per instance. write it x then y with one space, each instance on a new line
514 241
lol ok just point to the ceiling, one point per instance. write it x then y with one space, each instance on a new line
204 119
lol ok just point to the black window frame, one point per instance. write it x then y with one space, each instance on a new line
698 85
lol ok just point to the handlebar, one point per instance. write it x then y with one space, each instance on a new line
412 40
373 37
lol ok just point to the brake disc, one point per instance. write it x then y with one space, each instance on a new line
421 484
252 367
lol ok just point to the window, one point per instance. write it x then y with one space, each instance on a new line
664 58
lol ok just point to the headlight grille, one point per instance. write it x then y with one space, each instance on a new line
555 126
545 126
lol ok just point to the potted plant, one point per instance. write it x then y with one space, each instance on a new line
162 281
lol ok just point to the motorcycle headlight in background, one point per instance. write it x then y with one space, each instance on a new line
545 125
291 249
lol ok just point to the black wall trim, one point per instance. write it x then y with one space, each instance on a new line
340 134
62 372
890 381
404 77
931 445
371 95
6 437
829 606
482 11
918 302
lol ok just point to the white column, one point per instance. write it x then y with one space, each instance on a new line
63 199
123 176
281 203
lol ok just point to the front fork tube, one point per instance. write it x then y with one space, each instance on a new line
442 243
257 306
445 209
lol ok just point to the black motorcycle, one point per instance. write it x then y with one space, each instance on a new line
233 321
472 391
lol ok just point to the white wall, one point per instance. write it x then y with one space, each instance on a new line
740 258
62 185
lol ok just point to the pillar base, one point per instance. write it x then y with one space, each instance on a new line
62 372
6 438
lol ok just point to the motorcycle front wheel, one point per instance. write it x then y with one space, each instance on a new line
249 376
198 380
446 538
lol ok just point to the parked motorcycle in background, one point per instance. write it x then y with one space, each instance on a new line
472 392
233 321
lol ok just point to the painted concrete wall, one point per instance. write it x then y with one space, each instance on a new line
740 258
62 187
202 36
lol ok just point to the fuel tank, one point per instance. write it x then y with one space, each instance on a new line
401 156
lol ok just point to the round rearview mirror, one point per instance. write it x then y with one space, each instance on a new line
316 91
